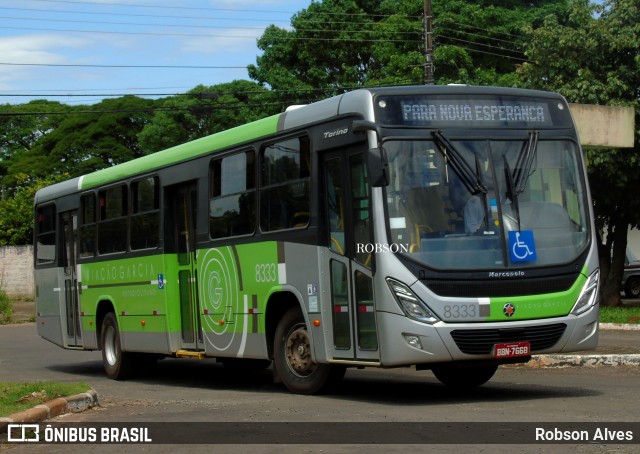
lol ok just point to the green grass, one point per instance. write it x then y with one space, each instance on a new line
15 397
625 314
6 308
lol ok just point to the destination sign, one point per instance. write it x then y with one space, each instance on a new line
453 110
482 112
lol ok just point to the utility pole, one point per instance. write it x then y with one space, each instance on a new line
428 41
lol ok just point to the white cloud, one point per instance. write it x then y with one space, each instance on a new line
42 49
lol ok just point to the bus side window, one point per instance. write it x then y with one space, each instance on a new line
284 185
232 199
112 225
335 205
46 234
88 225
145 214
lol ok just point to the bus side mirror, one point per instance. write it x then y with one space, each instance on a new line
377 167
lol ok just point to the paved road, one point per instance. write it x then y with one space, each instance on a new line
202 391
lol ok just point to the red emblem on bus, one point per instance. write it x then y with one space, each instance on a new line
509 309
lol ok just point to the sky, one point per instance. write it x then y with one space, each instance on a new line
52 49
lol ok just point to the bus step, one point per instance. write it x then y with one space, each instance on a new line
190 354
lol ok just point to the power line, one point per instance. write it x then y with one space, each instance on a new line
161 6
302 96
227 106
173 16
121 66
155 16
492 53
138 5
308 30
283 38
451 21
490 38
483 45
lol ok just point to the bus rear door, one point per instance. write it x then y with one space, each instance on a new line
72 329
183 201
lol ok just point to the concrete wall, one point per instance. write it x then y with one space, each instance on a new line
604 126
16 270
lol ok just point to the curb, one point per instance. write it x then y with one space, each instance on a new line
620 326
565 361
56 407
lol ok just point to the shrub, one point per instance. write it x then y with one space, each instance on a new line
6 308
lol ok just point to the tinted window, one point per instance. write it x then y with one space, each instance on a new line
88 225
232 202
284 190
46 234
112 225
145 214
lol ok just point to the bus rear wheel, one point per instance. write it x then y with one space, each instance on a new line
293 361
117 364
464 377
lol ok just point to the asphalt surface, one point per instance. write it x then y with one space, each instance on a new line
619 345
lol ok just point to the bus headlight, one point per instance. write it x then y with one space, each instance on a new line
410 304
589 295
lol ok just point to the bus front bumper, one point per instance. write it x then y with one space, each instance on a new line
406 342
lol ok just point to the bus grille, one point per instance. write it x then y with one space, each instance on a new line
496 288
481 341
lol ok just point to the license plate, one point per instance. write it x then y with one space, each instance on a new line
512 349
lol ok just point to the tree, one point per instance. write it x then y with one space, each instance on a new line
340 44
594 57
16 222
21 127
86 141
203 111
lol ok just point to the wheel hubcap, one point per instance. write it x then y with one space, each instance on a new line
298 352
110 346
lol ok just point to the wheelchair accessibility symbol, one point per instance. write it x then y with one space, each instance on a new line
522 246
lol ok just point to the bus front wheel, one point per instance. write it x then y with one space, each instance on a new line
293 361
117 364
468 377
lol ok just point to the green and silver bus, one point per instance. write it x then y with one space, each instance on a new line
443 227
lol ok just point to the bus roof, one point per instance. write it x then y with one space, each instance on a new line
351 102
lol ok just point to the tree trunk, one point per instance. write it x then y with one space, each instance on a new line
612 254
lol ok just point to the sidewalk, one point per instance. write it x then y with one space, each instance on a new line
619 345
56 407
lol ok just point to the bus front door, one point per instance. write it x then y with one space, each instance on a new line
347 264
73 330
184 205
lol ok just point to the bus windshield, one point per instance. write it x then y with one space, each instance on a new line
486 204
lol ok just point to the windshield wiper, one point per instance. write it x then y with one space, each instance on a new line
512 193
524 162
472 180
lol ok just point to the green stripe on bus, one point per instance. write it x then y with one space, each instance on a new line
537 306
183 152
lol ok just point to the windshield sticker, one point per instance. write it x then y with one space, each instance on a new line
522 247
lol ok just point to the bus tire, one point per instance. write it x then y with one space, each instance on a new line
117 364
292 357
464 377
